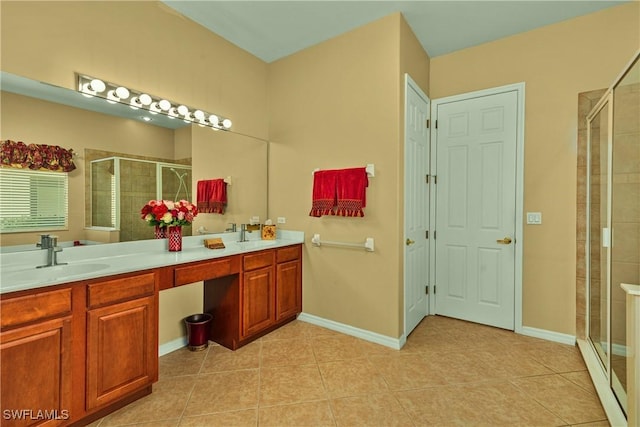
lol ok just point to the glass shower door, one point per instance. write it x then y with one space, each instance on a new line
598 242
613 218
625 218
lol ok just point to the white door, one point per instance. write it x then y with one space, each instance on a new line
476 208
416 205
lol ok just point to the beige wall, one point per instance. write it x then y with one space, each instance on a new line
337 105
556 62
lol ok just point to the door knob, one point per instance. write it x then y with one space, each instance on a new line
410 242
504 241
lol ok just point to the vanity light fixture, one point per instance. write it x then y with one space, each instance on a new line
114 93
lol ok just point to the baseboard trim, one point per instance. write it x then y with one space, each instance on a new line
547 335
395 343
174 345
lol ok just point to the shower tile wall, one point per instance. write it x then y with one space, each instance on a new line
137 187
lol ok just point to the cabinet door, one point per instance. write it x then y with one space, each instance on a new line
120 350
288 289
36 374
257 301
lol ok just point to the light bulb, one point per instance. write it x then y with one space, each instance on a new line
172 113
214 119
97 85
199 115
87 91
164 105
112 98
122 92
183 110
154 108
226 123
145 99
135 103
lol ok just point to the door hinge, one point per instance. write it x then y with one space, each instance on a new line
434 234
428 122
434 289
436 124
426 289
426 178
426 234
435 179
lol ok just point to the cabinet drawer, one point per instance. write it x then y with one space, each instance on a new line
29 308
259 260
204 271
120 289
288 254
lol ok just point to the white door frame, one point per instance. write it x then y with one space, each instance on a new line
409 82
518 240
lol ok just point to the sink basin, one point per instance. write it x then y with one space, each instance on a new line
58 272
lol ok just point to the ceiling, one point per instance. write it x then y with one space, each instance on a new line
271 29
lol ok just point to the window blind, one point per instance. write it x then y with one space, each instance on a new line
33 200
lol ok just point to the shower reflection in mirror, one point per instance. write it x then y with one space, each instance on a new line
120 186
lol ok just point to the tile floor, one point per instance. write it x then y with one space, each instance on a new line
450 373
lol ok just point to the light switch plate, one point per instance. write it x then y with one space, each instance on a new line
282 220
534 218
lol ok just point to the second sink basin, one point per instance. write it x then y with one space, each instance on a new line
255 244
57 272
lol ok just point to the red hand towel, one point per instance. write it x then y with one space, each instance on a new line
351 191
212 196
324 193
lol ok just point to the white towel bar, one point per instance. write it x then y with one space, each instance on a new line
368 243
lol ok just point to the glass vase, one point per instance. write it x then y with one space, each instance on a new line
175 238
160 232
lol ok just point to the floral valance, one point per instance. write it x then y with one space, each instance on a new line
36 156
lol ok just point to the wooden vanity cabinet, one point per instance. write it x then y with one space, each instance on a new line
35 349
267 295
258 293
122 349
84 349
288 282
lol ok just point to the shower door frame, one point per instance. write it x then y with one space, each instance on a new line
605 101
606 384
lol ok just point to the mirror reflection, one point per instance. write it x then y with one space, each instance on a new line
123 162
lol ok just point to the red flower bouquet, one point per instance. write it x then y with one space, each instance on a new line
166 213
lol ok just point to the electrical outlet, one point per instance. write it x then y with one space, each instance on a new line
282 220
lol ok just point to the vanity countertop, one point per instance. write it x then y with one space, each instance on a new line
18 270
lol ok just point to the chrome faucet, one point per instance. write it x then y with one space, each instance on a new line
243 232
50 243
232 227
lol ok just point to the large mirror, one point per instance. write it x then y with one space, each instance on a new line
114 145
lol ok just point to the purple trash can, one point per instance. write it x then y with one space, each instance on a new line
198 331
